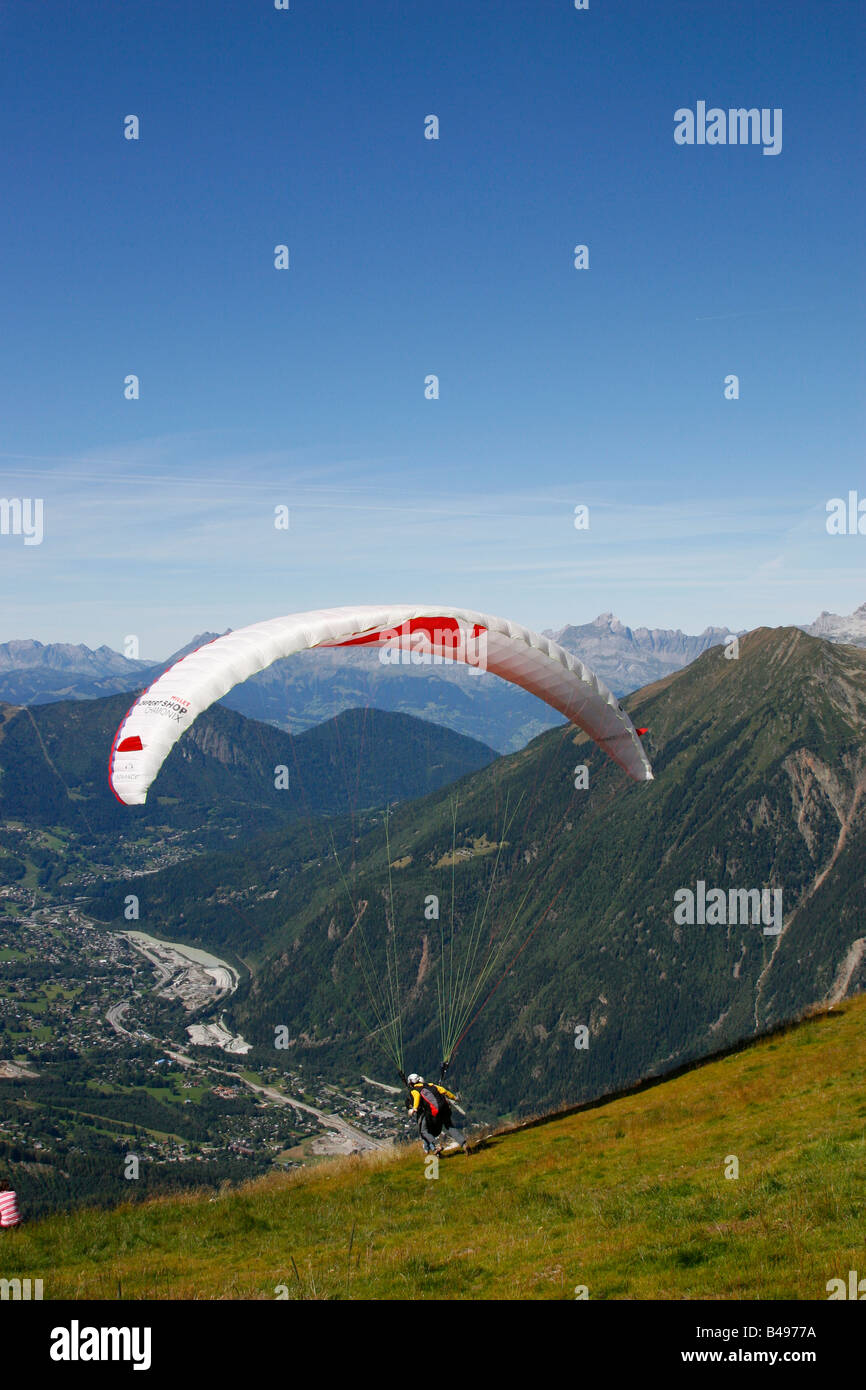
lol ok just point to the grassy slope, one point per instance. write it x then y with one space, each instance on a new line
628 1198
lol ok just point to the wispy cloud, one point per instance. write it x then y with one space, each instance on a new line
166 552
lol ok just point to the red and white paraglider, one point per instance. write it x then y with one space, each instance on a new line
161 715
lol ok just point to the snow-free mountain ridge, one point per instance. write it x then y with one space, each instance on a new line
315 686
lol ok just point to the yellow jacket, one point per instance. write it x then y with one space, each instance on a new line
416 1095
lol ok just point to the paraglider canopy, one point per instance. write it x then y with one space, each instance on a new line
537 664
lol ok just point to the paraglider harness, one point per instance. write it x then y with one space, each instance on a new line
436 1108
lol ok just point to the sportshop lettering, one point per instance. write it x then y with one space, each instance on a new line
736 126
173 709
77 1343
737 907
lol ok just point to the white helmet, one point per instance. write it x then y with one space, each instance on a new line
414 1079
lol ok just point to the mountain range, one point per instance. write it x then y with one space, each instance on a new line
223 775
628 658
296 694
301 692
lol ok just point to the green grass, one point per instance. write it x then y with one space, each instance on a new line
54 992
163 1093
120 1128
31 876
175 1095
40 1032
41 995
629 1198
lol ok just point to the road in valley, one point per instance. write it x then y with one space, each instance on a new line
196 978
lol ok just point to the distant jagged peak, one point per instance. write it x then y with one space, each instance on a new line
627 658
835 627
608 622
605 622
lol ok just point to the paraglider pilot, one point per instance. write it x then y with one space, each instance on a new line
430 1105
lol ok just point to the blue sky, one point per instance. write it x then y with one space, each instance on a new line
408 257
